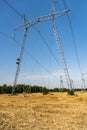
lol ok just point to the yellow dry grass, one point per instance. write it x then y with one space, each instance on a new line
55 111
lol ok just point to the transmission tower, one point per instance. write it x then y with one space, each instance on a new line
72 84
27 24
61 83
83 81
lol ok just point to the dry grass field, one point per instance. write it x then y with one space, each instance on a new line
55 111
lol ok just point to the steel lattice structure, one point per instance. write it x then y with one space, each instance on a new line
27 24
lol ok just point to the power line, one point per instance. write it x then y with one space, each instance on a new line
24 49
48 17
11 7
76 51
49 48
33 58
73 38
46 44
36 61
4 34
10 37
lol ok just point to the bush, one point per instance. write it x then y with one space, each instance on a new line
70 92
45 91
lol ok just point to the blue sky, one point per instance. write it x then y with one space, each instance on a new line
32 72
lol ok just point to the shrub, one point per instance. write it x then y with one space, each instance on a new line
70 92
45 91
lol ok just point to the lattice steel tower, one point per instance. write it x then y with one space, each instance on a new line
27 24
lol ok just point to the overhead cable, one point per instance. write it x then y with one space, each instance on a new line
45 42
10 37
11 7
73 38
33 58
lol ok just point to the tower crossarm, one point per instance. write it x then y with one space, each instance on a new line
44 18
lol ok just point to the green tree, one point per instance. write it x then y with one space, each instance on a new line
45 91
19 88
70 92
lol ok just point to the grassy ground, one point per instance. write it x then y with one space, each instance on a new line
55 111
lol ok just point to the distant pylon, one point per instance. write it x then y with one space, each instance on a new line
61 83
72 84
83 83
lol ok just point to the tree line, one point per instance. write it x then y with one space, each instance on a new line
20 88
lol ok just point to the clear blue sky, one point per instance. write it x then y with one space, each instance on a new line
31 72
